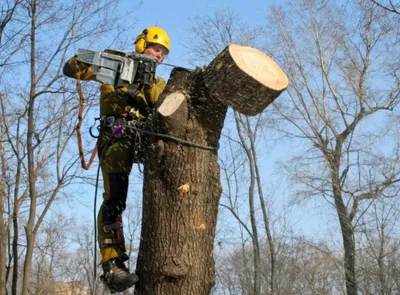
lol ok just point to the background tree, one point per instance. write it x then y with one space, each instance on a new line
39 109
8 48
379 249
337 108
391 6
3 195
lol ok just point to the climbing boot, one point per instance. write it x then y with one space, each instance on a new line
117 277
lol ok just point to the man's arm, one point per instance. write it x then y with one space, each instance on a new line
78 70
152 93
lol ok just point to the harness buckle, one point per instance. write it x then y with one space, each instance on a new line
107 121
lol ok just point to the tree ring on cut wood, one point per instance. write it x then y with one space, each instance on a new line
259 66
245 79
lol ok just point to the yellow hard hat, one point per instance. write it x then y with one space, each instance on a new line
151 35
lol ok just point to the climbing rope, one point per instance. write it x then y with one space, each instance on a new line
161 135
78 128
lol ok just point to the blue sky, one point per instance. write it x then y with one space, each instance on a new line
174 17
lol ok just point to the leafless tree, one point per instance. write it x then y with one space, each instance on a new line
8 47
3 194
51 255
132 231
38 111
390 5
214 31
83 238
303 267
335 62
11 38
379 249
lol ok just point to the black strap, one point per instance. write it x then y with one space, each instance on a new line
113 226
107 242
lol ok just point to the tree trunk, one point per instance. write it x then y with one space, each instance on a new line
181 194
14 281
253 218
3 232
30 235
182 186
346 229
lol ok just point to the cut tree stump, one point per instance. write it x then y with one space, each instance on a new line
181 191
245 79
182 186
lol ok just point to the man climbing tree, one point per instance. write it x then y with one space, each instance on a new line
118 150
181 178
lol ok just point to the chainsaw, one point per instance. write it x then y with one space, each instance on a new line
119 68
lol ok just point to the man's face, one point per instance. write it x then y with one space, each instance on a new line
157 51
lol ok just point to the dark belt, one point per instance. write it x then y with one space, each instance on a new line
107 242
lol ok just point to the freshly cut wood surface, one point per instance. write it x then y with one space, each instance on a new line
171 113
171 103
245 79
259 66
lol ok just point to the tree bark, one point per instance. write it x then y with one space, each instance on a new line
182 186
30 235
253 218
345 226
245 79
181 194
3 231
